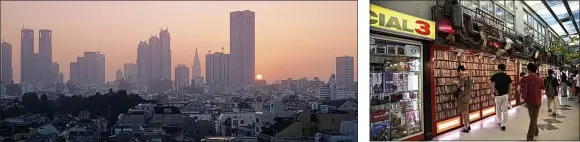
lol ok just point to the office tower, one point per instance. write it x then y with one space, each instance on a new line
130 73
182 75
60 77
6 72
197 81
74 72
101 69
90 68
27 56
45 57
119 75
155 53
54 71
143 63
165 53
242 48
196 68
345 72
217 69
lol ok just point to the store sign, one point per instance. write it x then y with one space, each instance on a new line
488 111
448 124
391 20
377 116
474 116
412 51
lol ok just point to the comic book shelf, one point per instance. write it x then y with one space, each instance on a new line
480 68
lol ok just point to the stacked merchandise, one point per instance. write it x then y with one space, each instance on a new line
480 68
394 92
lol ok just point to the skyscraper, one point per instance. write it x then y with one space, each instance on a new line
143 63
345 72
155 54
6 72
217 69
242 48
130 73
27 56
45 57
89 69
196 68
54 71
119 75
182 75
165 53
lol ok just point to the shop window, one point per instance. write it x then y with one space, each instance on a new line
509 18
499 12
509 4
470 4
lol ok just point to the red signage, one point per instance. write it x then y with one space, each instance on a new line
380 115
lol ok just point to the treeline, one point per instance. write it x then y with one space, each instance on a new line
108 105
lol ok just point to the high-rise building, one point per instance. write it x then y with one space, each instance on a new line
90 69
119 75
74 74
130 73
54 71
345 72
217 69
27 71
165 53
155 54
182 75
6 73
143 63
45 57
242 48
196 68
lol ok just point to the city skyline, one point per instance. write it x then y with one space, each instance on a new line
276 48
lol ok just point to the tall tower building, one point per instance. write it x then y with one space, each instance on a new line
74 74
242 48
130 73
45 57
54 70
6 63
196 68
165 50
155 53
27 56
119 75
345 72
217 69
143 63
101 68
182 75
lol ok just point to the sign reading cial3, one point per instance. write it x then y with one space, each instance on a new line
383 18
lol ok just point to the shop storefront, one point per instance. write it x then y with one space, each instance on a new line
399 52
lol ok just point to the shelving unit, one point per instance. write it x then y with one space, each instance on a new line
480 68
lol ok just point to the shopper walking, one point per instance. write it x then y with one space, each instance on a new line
501 82
563 81
550 84
519 89
532 86
463 93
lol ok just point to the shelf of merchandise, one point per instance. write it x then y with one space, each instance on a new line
395 93
480 68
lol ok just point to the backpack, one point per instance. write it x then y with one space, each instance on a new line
550 90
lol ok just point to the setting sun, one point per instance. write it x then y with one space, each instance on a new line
259 76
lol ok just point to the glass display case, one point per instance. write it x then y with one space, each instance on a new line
395 72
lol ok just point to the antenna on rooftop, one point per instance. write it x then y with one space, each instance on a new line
209 52
222 49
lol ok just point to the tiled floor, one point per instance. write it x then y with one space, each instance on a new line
566 126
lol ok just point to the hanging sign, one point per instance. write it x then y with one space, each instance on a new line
386 19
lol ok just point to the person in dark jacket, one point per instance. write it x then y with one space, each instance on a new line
463 91
551 85
563 81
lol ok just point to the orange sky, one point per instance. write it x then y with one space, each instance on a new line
293 39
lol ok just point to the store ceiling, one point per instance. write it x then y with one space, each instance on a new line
563 16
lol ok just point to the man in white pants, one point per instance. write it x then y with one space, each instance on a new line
501 82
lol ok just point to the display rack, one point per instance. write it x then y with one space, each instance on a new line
395 92
480 68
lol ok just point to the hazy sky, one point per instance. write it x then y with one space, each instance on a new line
293 39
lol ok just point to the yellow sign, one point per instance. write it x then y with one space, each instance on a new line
391 20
